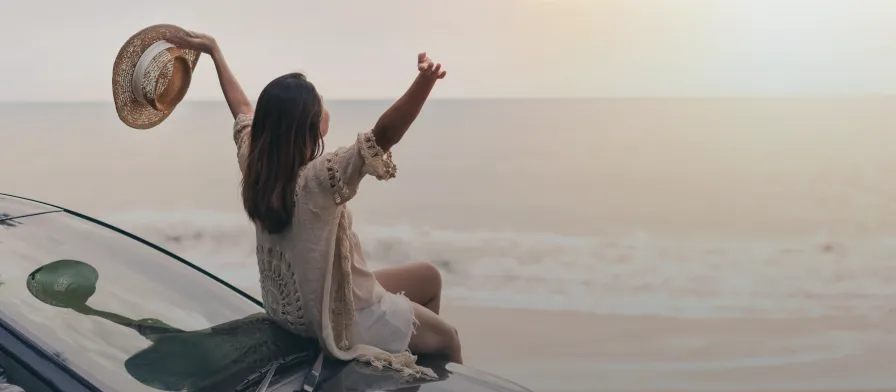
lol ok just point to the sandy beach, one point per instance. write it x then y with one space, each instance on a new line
554 351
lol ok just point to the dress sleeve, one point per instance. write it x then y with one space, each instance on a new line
342 170
241 128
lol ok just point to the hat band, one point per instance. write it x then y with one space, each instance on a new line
142 65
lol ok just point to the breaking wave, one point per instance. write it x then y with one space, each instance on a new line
633 274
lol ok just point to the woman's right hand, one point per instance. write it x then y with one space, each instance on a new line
428 68
194 41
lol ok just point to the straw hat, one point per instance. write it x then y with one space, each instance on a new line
151 76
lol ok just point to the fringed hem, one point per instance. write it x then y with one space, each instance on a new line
414 325
240 123
414 322
242 126
378 162
404 363
341 193
343 307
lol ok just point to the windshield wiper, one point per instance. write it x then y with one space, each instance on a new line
267 379
268 372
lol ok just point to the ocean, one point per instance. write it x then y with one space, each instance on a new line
684 207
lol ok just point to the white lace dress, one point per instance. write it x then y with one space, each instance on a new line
314 279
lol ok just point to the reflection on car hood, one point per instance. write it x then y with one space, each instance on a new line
217 358
221 357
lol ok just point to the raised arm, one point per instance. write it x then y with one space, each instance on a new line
233 93
343 169
396 120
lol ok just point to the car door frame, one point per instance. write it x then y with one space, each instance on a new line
42 365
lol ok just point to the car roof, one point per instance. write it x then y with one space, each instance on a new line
12 207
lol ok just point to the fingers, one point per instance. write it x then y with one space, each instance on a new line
192 40
182 39
433 70
176 40
427 67
184 42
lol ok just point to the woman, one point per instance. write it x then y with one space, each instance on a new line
314 279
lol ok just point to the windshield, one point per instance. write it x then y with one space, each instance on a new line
126 316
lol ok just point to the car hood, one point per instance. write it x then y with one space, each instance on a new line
358 376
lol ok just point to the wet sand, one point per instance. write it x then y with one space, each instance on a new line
567 351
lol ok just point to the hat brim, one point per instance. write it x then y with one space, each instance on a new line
131 111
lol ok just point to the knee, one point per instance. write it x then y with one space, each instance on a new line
431 274
454 346
453 337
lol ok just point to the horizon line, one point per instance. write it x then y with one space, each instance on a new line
547 98
327 99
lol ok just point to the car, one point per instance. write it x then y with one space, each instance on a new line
85 306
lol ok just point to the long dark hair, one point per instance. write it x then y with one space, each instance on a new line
285 137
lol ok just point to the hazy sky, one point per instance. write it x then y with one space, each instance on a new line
63 50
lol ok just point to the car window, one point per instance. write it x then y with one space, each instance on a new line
126 316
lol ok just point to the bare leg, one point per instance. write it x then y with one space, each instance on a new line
434 336
420 282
